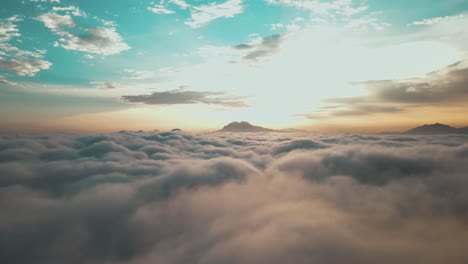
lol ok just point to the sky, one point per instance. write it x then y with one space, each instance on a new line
338 65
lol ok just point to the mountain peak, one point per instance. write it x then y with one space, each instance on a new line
430 129
244 126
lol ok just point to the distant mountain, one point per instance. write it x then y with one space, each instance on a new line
463 130
245 127
433 129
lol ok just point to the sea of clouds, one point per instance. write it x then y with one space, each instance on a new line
175 197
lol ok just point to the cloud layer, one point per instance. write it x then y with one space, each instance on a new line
172 197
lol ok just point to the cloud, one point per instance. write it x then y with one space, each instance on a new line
344 108
5 81
200 15
24 66
160 9
341 7
139 75
55 21
74 10
435 20
9 29
96 40
102 41
12 58
45 1
276 26
175 197
298 144
181 3
178 96
444 87
264 47
106 85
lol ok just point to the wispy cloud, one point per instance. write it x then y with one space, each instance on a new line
139 74
199 14
435 20
160 9
106 85
45 1
203 14
340 7
5 81
181 96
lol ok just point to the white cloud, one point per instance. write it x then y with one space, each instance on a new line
139 75
106 85
435 20
9 29
96 40
342 7
75 11
56 22
21 62
200 15
24 66
45 1
367 23
206 13
100 40
276 26
181 3
160 9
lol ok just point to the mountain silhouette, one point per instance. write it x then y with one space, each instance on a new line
463 130
245 127
433 129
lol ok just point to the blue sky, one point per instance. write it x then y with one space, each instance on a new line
103 65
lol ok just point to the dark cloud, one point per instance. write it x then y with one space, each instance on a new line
174 197
243 46
442 88
178 96
267 46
